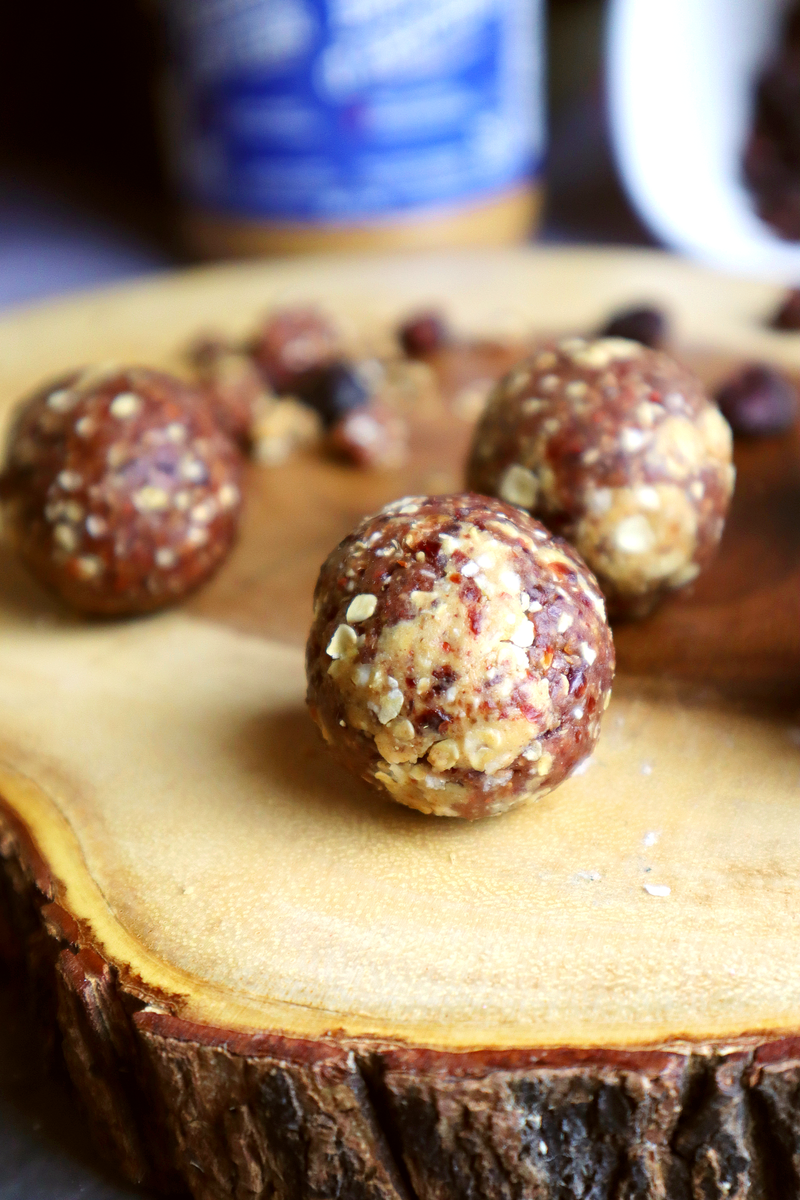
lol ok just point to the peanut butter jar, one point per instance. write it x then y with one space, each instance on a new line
313 125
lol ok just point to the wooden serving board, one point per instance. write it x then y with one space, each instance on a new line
272 983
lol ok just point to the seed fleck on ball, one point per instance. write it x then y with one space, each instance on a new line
151 499
89 566
70 481
61 400
519 486
634 535
127 404
65 537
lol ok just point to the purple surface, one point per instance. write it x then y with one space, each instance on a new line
49 247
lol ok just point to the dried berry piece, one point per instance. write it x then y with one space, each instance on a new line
232 383
292 342
788 314
372 436
423 334
122 493
758 401
332 390
644 324
772 156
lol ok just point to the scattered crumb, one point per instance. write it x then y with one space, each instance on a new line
646 768
650 838
282 428
657 889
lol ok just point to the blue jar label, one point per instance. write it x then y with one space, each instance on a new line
325 110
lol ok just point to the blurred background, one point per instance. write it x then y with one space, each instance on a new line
85 196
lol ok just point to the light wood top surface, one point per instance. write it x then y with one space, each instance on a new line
170 776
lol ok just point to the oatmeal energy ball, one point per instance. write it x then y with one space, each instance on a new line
619 449
459 655
121 491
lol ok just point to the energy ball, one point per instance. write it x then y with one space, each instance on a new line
459 656
616 447
121 492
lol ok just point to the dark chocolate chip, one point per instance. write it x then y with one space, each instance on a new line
758 401
788 313
332 390
643 324
423 334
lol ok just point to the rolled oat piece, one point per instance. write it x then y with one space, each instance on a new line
121 491
459 656
619 449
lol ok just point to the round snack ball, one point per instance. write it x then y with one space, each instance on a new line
122 493
459 656
619 449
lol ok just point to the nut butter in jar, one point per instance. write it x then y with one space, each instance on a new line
305 125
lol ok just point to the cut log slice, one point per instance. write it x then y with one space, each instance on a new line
271 982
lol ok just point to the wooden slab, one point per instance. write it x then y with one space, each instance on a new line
223 906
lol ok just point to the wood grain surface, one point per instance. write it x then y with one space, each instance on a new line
271 982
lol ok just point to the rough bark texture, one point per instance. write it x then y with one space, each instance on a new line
275 1117
619 1125
191 1109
